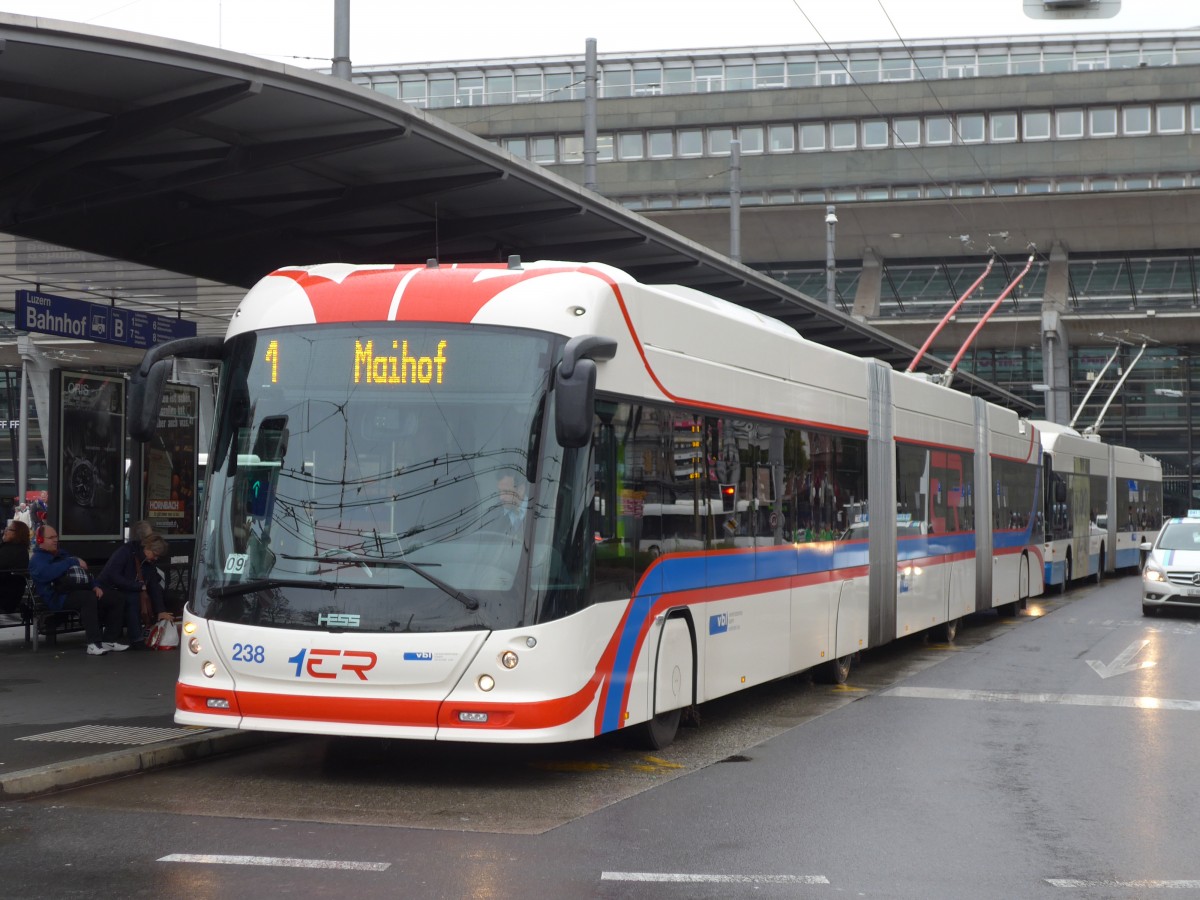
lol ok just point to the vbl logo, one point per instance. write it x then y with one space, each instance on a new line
718 624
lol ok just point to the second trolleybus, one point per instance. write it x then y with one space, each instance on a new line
1102 503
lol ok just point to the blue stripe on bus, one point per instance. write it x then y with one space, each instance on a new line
639 610
1009 540
1128 556
688 572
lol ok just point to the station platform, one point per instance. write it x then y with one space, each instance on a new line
68 719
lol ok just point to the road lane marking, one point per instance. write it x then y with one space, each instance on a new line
1080 883
699 878
1123 664
214 859
932 693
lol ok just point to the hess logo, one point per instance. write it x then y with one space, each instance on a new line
338 620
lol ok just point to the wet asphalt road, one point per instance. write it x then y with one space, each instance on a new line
1047 755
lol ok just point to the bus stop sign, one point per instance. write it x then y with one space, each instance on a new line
64 317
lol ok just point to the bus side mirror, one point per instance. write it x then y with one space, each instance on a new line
145 400
575 388
147 380
575 396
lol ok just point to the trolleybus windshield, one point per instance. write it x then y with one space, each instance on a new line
375 477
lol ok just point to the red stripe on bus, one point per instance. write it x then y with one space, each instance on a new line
380 711
339 708
189 698
526 716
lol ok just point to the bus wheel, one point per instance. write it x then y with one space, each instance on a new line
1023 585
1066 582
1012 609
836 671
1099 577
658 733
947 631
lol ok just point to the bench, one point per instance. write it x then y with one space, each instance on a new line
38 620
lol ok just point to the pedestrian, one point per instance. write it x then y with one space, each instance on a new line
130 574
14 565
63 582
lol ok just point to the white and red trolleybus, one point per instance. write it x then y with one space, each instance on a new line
426 513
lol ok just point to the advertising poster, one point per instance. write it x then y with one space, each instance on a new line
91 478
169 478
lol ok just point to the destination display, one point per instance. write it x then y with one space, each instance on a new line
398 368
370 367
400 359
64 317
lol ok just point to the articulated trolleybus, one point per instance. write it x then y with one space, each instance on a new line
428 494
1102 503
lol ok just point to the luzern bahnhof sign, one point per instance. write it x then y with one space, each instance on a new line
64 317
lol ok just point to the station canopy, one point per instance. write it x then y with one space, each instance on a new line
202 170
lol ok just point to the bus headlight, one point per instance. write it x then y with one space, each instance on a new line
486 682
508 659
189 627
194 644
209 669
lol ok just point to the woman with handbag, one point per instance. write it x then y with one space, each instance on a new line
130 573
63 582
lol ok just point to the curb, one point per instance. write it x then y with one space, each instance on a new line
89 770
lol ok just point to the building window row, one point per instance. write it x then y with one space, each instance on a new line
518 82
1022 186
883 133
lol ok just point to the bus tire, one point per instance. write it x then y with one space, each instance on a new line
1099 576
947 631
1012 609
1066 582
1023 585
657 733
836 671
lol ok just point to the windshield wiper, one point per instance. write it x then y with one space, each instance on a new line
265 584
389 562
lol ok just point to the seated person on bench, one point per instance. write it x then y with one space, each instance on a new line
14 565
63 582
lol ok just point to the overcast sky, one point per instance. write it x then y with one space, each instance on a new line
300 32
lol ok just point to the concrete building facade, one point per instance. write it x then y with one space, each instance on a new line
1082 153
